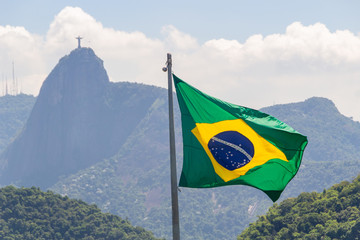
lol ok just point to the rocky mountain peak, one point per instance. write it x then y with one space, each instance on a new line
66 128
77 76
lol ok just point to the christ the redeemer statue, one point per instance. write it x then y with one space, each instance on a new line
79 38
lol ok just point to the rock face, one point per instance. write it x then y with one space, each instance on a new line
78 119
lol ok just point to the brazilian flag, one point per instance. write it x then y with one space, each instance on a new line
227 144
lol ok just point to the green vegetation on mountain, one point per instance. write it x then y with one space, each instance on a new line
107 143
332 154
135 182
138 177
331 135
331 214
79 119
14 111
29 214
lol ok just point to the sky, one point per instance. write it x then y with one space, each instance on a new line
250 53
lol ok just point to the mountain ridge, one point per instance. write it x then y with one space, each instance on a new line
213 204
76 121
131 177
321 116
331 214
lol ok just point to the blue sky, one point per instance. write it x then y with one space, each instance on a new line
252 53
202 19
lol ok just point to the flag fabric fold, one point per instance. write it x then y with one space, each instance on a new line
226 144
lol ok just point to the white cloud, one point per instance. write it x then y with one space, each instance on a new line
302 62
127 56
176 40
22 48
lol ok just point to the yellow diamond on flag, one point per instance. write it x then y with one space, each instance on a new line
240 149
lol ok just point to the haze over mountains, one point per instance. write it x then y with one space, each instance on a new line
78 119
14 112
107 143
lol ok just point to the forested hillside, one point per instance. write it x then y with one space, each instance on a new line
28 213
14 111
332 154
79 119
319 119
107 143
331 214
125 186
140 171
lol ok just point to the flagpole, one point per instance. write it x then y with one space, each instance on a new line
174 189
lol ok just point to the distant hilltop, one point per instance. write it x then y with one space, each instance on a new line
74 123
108 145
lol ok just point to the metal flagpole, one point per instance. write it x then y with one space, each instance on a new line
174 189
